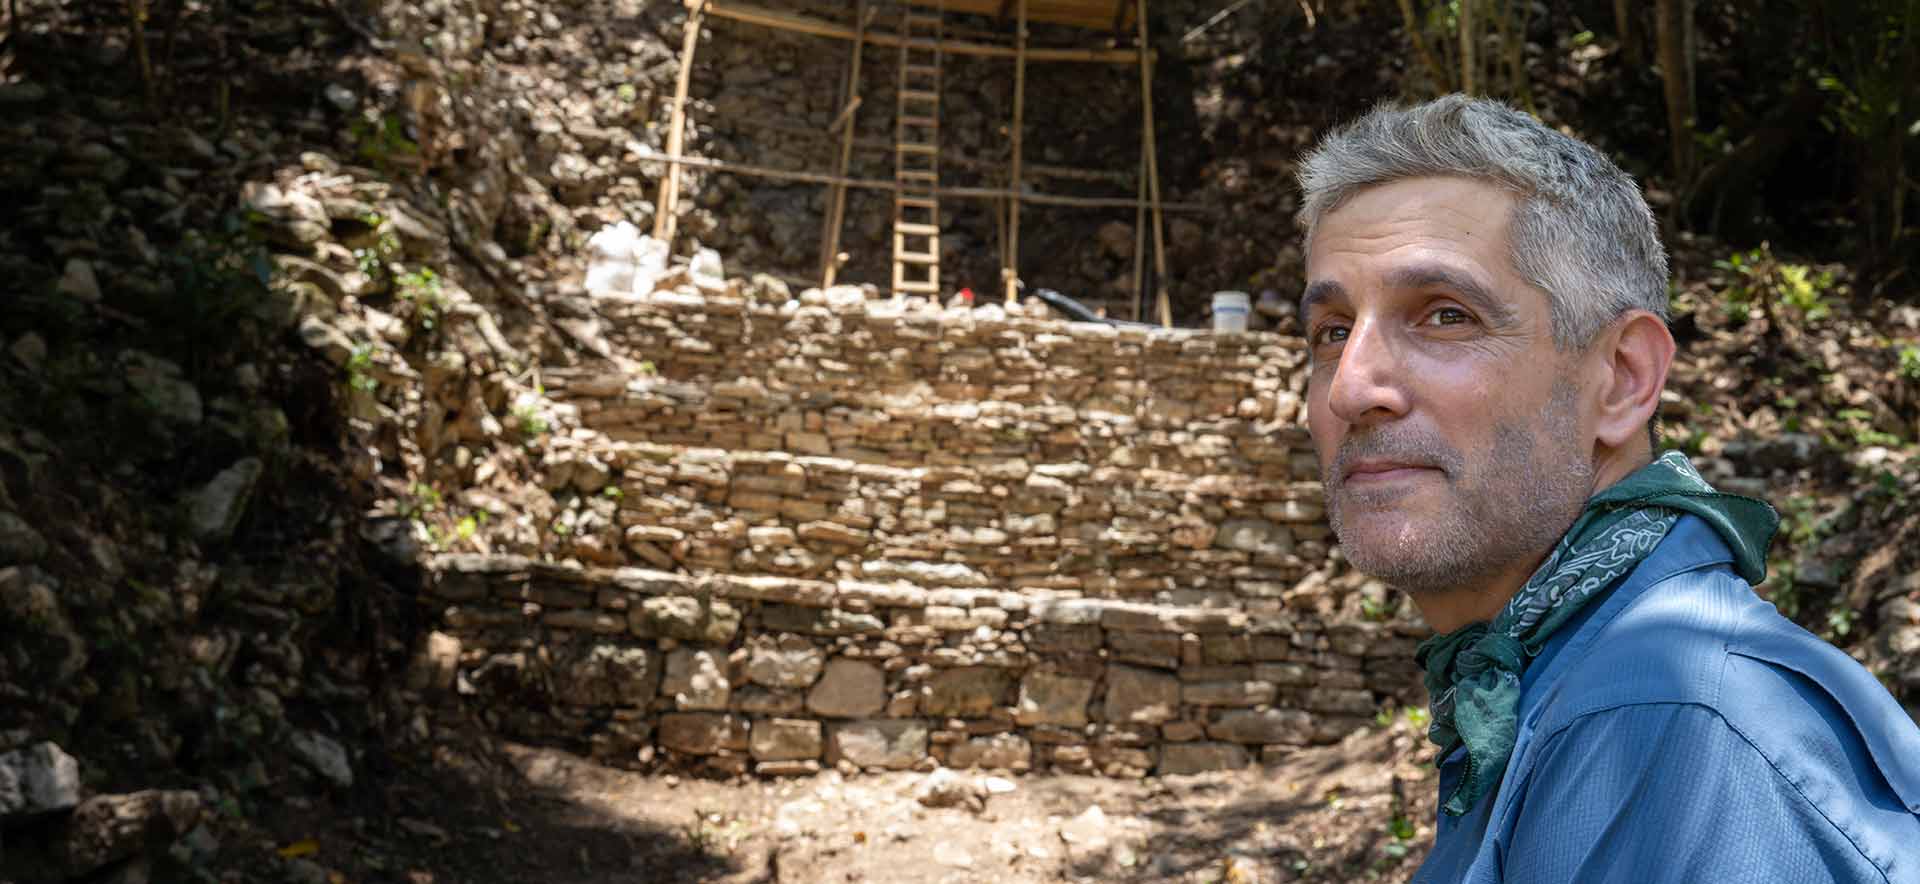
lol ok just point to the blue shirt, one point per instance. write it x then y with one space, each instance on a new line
1680 729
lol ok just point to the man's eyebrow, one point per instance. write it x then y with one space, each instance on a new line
1459 283
1319 292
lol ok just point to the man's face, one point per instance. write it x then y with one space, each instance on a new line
1448 425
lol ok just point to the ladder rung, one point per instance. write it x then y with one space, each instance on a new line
916 288
911 229
917 258
918 202
925 122
917 174
927 69
919 95
921 18
916 147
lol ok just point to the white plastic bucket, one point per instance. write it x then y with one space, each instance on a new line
1230 311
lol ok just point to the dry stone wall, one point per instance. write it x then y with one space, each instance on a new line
834 530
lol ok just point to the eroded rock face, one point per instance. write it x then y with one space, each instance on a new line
37 779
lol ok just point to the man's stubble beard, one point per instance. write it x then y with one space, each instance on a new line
1513 504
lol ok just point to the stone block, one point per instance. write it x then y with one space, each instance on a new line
1160 618
1058 638
1181 731
1003 751
894 744
1141 696
1123 761
833 533
598 622
1257 536
965 692
696 733
696 679
819 621
1339 700
923 573
607 674
769 588
1226 648
1181 759
785 739
1289 674
1070 612
1047 698
1160 649
1227 693
756 700
1263 726
687 618
787 661
848 689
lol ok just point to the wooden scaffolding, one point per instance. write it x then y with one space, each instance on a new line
921 35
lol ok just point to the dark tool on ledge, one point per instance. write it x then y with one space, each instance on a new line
1078 312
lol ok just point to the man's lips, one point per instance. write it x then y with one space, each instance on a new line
1371 472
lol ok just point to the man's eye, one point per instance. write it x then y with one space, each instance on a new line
1330 334
1449 316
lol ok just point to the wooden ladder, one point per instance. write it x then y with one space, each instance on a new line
916 151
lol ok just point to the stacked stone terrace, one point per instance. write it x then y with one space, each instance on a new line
853 532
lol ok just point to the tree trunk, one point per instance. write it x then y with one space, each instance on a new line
1442 83
1629 40
1469 59
1671 28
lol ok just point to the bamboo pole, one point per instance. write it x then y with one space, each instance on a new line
663 212
872 144
1139 302
1162 301
984 193
804 24
1010 272
837 205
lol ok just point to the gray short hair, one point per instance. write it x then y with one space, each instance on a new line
1581 232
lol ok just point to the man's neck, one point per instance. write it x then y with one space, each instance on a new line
1446 610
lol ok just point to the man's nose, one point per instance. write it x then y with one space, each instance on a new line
1369 383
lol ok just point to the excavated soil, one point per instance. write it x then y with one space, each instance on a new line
1351 811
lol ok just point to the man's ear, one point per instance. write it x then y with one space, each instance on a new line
1631 359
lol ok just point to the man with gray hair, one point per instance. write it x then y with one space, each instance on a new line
1486 305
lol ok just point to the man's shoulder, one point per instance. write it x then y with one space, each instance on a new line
1670 641
1702 638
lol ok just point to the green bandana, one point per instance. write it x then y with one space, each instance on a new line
1473 673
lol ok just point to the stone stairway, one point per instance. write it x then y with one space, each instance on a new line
835 529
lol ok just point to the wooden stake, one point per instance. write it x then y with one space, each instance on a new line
663 211
837 204
1162 301
1010 273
